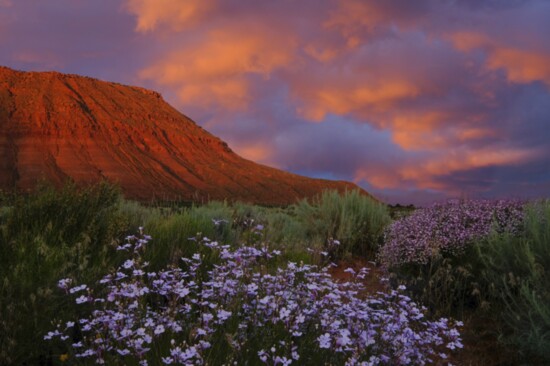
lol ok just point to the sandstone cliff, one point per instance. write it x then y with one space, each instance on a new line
62 127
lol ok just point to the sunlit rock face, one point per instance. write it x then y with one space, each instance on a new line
60 128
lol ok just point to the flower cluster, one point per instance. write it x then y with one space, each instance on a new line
291 315
447 228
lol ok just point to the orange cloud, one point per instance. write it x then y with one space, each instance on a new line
393 65
344 99
522 66
176 14
424 173
378 178
214 71
467 41
258 152
475 133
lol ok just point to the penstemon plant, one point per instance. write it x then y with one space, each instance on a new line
231 306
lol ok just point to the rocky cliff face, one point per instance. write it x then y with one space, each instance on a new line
61 127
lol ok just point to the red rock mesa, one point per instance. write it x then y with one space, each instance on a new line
60 127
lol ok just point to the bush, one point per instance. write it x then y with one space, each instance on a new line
355 221
515 270
43 236
243 311
432 252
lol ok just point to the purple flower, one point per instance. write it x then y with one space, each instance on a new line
159 329
324 340
299 302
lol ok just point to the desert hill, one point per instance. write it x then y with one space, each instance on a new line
61 127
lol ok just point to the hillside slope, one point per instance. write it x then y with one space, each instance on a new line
62 127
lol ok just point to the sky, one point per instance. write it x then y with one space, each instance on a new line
414 101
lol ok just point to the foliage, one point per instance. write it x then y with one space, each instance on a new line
72 232
492 258
355 220
430 251
515 269
239 312
44 236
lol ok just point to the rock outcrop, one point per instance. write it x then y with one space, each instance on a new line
60 127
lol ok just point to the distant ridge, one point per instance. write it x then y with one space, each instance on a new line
61 127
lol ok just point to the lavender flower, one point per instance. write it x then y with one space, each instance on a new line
237 302
447 228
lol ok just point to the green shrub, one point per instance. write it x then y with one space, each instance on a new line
45 236
516 272
172 232
357 221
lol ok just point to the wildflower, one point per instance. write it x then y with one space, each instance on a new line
282 360
324 340
298 300
82 299
263 355
123 352
77 289
284 313
64 283
223 315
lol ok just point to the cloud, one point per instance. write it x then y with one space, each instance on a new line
417 99
46 59
435 81
521 66
218 69
176 14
